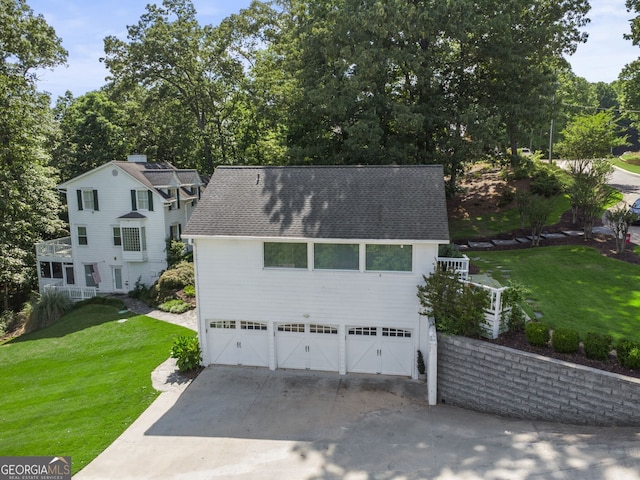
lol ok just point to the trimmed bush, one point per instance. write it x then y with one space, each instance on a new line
190 291
174 306
172 280
537 334
186 351
629 354
565 340
597 346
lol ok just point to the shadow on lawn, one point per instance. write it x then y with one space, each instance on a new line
80 318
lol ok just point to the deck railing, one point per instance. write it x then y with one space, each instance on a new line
74 292
60 247
459 265
493 324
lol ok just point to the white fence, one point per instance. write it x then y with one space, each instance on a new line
459 265
58 248
75 293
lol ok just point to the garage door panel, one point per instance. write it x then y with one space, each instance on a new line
223 339
362 350
254 344
397 351
290 345
383 350
305 346
238 343
322 353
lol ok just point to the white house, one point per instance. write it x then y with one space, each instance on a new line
120 216
316 267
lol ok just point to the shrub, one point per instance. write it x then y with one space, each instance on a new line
186 351
629 354
597 346
176 278
48 308
456 308
537 334
140 291
449 250
175 251
190 291
421 365
565 340
174 306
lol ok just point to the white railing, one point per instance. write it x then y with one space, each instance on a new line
75 293
493 324
459 265
60 247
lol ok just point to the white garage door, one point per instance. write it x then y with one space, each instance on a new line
380 350
307 346
233 342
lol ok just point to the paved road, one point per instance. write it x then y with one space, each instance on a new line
251 423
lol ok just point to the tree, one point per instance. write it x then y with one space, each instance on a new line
29 204
619 220
538 210
171 55
590 136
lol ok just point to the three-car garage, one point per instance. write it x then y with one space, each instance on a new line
330 347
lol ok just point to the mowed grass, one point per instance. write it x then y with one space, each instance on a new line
629 162
73 388
573 286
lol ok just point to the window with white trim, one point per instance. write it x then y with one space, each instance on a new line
226 324
83 239
367 331
134 239
285 255
252 326
328 329
291 327
395 332
117 237
389 258
336 256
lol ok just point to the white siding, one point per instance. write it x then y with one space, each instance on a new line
114 201
233 285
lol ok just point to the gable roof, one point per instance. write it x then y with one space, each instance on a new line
363 202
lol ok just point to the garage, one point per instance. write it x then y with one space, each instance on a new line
307 346
383 350
235 342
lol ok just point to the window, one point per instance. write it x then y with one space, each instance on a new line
174 193
227 324
87 199
134 239
141 200
395 332
336 256
323 329
252 326
91 275
45 269
117 238
175 231
82 236
389 258
368 331
285 255
291 327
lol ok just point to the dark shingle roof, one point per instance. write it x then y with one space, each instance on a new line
370 202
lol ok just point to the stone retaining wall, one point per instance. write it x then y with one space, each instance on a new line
490 378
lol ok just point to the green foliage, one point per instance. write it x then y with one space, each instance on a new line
140 291
628 354
421 365
175 251
618 219
457 308
174 306
538 210
597 345
537 334
171 280
590 136
512 313
186 351
449 250
546 182
48 308
190 291
565 340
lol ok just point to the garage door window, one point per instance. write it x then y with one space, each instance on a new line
285 255
396 332
389 258
252 326
323 329
291 327
363 331
223 324
336 256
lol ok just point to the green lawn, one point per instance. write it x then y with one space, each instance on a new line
500 222
627 166
573 286
73 388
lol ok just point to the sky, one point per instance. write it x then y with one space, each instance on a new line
83 25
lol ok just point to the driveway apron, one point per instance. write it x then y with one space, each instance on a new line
252 423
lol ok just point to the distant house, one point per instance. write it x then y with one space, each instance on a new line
120 216
316 267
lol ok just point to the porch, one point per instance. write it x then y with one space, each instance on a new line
60 248
75 292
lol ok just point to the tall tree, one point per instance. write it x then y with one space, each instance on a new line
29 205
169 53
590 136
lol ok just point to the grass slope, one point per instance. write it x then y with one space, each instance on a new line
73 388
573 287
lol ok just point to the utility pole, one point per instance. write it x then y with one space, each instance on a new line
553 108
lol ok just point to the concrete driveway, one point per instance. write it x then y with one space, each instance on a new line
252 423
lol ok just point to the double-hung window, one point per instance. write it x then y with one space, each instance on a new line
83 239
142 200
117 237
87 199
